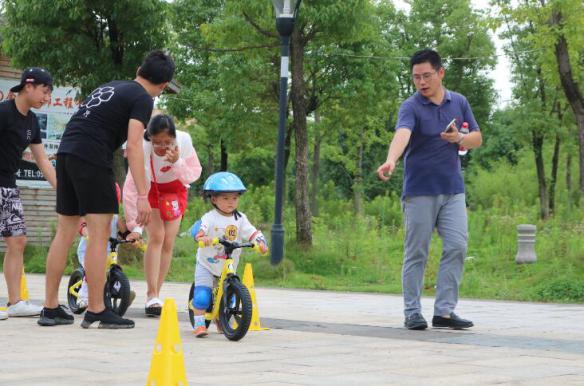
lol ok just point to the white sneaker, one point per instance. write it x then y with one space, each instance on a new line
83 296
3 315
24 308
82 303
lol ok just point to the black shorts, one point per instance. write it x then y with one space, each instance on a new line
84 188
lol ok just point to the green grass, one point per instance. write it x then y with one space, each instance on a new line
363 254
353 253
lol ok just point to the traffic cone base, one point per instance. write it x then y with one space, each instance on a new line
248 281
168 362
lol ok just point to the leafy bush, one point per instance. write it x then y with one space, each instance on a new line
565 290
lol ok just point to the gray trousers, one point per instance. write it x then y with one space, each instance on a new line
446 213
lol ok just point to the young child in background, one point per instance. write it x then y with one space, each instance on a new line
225 221
118 229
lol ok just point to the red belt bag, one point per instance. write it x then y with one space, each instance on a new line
169 204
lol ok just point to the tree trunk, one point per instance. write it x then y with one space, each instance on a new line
554 177
210 161
537 137
116 48
298 97
581 137
569 172
224 156
571 88
119 167
537 142
315 169
358 184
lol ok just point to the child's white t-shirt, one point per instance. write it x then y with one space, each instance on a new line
214 224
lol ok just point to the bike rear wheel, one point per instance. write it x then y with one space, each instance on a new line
75 282
235 316
116 294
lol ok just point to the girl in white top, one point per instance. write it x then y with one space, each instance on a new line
171 164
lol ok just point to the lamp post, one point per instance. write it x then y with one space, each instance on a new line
286 11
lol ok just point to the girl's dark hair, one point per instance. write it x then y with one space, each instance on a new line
159 124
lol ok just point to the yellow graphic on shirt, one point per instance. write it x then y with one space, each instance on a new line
231 233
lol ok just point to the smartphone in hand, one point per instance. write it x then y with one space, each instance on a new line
449 127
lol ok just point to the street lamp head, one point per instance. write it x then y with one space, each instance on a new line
286 8
286 11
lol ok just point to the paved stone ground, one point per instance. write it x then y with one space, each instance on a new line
317 338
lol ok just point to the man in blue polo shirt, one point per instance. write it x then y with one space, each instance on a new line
433 188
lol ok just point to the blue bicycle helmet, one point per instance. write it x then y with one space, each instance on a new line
223 182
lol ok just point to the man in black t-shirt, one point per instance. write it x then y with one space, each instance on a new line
113 113
19 129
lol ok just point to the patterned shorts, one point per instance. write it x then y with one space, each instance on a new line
11 213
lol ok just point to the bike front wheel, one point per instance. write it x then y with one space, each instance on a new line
235 316
116 294
75 282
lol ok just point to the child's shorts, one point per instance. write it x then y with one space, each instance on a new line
204 277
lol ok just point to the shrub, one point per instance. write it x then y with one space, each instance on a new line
564 290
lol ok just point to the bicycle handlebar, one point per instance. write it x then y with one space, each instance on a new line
114 242
120 241
227 243
231 245
215 241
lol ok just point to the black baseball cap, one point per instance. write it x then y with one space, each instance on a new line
34 75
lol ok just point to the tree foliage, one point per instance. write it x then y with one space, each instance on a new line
345 74
83 43
349 73
541 110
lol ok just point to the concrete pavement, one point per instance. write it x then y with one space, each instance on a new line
316 338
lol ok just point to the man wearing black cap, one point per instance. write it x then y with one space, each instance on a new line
19 129
112 113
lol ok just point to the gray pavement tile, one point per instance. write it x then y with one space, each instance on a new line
467 337
308 346
572 380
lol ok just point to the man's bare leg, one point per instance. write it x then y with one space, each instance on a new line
67 227
98 229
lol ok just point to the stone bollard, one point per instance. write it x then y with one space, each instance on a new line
525 244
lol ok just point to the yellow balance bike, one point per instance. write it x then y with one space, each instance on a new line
117 292
231 303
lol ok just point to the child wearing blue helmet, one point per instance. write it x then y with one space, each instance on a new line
225 221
